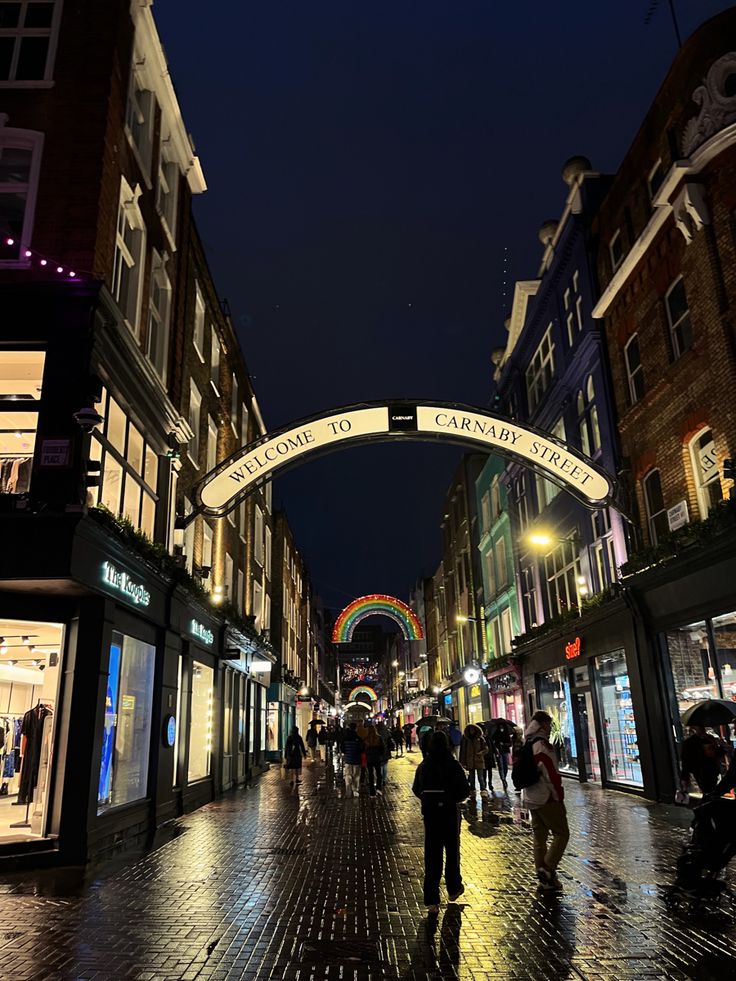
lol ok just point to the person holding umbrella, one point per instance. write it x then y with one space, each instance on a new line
703 755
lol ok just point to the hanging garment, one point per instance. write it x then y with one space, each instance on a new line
32 729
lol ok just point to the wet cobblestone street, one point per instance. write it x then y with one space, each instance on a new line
277 883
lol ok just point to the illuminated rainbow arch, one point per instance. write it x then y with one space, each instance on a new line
377 604
363 690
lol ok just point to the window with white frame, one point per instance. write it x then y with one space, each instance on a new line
195 420
529 596
522 502
230 577
541 370
706 472
654 501
616 250
634 370
215 361
655 179
604 556
129 258
490 571
678 317
547 491
590 433
239 593
128 467
507 630
20 161
267 555
211 443
189 538
266 623
167 194
485 511
257 604
28 35
207 542
502 572
159 312
200 312
495 498
234 404
139 119
562 570
573 303
242 520
497 637
244 424
258 535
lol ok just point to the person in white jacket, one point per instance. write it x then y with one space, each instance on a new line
545 800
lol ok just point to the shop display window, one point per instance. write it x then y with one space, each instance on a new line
30 671
693 674
21 381
621 745
724 634
554 697
126 736
178 725
200 721
272 728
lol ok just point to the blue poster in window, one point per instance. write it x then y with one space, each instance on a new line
570 734
108 733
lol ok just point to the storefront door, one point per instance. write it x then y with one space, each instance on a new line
555 697
618 726
586 721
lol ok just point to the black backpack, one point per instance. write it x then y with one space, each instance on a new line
524 772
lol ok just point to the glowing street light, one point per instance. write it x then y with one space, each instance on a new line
540 539
394 664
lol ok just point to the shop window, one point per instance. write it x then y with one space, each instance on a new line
195 421
139 119
634 370
541 370
20 161
175 778
724 634
199 317
693 673
201 721
678 317
128 468
620 741
227 713
167 193
590 434
704 462
129 257
126 736
562 569
28 34
159 312
656 513
21 382
554 697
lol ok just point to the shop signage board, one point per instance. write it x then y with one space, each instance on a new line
474 691
252 465
572 650
120 582
677 516
54 453
198 630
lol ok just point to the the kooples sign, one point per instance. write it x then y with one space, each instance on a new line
249 467
122 583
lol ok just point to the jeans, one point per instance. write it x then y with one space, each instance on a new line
352 779
502 759
549 819
375 778
481 779
441 834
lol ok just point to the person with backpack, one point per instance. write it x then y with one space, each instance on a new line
536 774
473 751
440 784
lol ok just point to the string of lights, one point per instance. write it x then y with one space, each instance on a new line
44 260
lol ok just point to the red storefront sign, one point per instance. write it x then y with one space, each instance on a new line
572 649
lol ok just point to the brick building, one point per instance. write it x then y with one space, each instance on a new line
143 676
667 270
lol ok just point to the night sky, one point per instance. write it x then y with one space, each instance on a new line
369 163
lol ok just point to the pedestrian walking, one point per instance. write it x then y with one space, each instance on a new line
397 734
455 737
440 784
424 731
503 734
702 758
536 774
313 742
388 745
374 752
294 752
352 750
473 750
323 741
408 738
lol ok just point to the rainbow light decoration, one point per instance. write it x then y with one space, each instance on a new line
363 690
377 604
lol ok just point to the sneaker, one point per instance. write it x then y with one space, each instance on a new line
485 793
453 896
433 910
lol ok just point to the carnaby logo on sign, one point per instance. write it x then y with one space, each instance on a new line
201 632
572 649
121 581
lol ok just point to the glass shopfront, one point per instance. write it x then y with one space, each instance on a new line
620 742
555 697
126 737
200 722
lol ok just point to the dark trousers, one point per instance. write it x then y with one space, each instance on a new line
375 777
441 835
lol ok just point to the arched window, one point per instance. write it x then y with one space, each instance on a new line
705 471
656 513
590 433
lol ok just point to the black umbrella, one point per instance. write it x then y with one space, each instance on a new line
710 712
433 720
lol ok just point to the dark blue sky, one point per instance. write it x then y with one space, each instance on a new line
368 163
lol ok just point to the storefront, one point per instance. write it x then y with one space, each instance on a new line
280 718
589 680
506 695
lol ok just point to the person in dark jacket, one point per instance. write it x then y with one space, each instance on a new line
375 751
702 757
352 750
397 734
440 784
294 752
407 728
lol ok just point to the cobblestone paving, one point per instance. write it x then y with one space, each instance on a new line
279 883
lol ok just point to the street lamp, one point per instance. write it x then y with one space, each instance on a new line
394 664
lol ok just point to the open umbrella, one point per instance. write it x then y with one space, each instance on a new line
710 712
433 720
